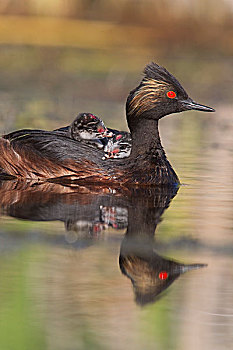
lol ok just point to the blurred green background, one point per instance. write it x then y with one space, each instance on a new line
60 57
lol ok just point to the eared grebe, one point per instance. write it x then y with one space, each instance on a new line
39 154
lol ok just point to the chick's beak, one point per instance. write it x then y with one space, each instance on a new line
190 104
108 133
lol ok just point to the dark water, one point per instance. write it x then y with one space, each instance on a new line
97 268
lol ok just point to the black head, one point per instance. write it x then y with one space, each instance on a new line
159 94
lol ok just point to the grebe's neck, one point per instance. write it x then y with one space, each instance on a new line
148 159
145 139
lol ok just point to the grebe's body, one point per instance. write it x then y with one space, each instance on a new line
38 154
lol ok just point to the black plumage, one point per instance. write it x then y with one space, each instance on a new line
51 154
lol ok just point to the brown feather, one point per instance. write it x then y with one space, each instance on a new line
148 94
22 161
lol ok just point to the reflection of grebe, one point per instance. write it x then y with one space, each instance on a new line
149 272
86 213
40 154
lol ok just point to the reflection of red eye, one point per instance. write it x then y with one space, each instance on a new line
163 275
171 94
118 137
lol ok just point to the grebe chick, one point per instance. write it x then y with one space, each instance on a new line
89 128
119 145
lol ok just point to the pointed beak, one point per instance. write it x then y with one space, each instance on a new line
190 104
187 268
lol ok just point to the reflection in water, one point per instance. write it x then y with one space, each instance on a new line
149 272
86 212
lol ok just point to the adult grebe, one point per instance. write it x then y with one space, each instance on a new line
39 154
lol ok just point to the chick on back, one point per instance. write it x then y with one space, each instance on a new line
87 127
119 145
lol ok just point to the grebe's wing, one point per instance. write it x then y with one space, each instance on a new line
21 133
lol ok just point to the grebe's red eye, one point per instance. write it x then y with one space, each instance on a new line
163 275
171 94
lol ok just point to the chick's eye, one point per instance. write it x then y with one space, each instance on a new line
171 94
101 130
